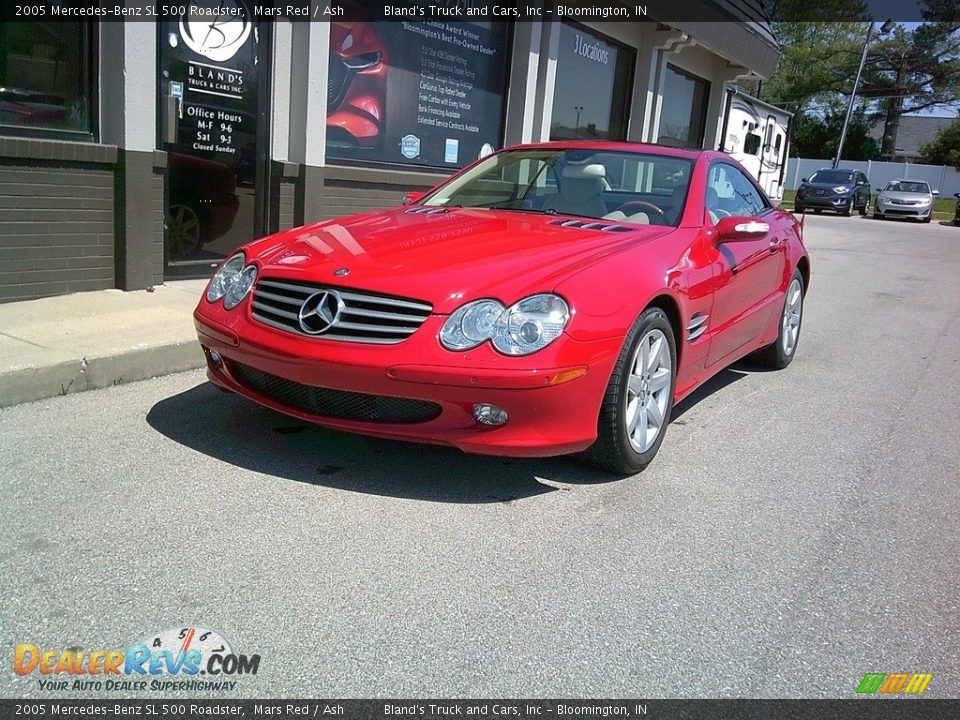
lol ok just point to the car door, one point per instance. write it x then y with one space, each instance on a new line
750 272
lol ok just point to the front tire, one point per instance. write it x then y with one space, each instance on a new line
848 208
780 353
639 398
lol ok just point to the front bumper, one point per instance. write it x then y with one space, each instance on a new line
552 397
827 202
887 209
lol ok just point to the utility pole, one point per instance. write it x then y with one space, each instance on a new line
884 29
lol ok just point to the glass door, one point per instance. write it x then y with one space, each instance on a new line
212 95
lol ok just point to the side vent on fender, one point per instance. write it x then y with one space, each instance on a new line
697 326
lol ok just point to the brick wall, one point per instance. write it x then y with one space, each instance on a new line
56 218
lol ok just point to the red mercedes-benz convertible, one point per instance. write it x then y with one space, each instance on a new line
548 299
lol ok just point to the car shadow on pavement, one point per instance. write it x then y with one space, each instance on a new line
727 376
242 433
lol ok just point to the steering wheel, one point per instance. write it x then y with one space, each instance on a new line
634 206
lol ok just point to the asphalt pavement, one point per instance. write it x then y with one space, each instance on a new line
797 530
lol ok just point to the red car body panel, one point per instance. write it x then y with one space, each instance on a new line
552 396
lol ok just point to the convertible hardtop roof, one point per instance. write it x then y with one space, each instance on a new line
634 147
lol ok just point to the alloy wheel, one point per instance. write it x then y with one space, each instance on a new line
184 231
648 390
792 310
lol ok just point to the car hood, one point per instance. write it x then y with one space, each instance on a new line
445 257
907 196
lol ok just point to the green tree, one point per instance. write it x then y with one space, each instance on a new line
908 71
911 71
944 149
817 137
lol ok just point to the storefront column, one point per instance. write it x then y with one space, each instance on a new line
309 52
524 74
715 107
546 80
669 42
128 88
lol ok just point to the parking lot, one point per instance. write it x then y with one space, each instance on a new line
797 530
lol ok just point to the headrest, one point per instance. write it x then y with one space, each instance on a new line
595 171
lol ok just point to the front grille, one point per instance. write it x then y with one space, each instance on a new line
365 317
335 404
338 77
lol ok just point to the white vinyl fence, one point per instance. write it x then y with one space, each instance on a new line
942 178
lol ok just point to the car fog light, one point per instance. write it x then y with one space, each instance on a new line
487 414
215 357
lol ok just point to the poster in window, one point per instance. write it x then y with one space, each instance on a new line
415 93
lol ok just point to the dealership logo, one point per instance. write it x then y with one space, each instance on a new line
410 146
218 31
320 312
169 660
894 683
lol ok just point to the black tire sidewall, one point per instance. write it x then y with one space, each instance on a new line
782 358
650 319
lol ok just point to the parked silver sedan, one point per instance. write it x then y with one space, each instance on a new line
905 199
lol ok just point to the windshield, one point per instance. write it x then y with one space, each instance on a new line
908 187
624 187
831 176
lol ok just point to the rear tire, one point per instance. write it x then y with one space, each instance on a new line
780 353
639 398
865 208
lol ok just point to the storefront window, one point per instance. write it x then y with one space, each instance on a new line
594 79
683 116
416 93
45 77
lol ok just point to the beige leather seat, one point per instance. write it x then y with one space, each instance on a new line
579 192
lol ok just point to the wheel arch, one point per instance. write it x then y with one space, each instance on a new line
803 265
671 309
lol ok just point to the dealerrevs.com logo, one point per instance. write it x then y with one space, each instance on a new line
189 658
894 683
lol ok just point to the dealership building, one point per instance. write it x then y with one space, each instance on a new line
142 150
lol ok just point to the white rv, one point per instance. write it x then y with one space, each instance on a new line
757 135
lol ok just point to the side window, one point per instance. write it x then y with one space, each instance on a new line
730 192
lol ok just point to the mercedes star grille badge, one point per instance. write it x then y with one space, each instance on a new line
320 312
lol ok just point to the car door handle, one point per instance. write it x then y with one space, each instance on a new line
776 244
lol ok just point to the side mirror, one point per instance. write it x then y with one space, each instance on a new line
803 179
957 196
412 197
738 228
936 192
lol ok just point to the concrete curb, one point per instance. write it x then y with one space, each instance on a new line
68 377
85 341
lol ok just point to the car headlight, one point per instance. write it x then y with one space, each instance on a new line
523 328
233 282
841 189
925 201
